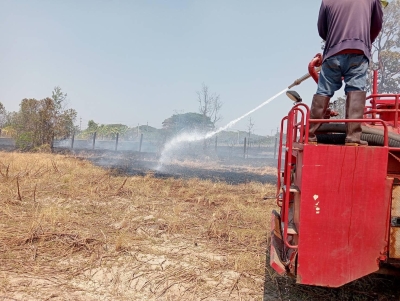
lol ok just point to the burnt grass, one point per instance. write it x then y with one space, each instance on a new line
185 172
230 170
374 287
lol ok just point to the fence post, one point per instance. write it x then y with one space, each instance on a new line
276 143
245 144
140 144
116 142
94 139
72 140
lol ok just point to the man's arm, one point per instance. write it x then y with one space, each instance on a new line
376 20
322 23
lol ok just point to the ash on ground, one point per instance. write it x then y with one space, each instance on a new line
205 167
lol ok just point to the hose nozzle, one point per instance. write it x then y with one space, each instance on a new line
303 78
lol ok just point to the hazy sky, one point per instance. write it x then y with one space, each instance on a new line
134 62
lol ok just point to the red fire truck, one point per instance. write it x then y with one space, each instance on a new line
339 216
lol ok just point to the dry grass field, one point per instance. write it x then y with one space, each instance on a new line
73 231
70 230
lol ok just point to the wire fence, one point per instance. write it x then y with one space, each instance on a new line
243 148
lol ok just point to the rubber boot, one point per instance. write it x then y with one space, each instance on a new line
318 108
355 104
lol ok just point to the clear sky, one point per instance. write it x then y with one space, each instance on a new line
137 61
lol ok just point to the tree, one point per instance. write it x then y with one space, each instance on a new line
92 126
38 122
187 122
110 130
386 51
59 99
3 116
26 124
62 119
209 105
105 131
65 123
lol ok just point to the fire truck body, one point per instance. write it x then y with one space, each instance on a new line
339 216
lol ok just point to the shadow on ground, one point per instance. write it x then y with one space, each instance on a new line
374 287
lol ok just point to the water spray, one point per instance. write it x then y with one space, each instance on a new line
314 68
192 137
230 124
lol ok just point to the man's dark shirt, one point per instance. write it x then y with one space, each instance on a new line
349 24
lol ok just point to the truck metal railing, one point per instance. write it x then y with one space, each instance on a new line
384 99
297 132
298 127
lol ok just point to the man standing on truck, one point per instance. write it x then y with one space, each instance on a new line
348 27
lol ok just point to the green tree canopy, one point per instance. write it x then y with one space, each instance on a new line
188 122
110 130
105 131
92 126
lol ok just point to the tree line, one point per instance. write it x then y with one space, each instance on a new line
39 122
